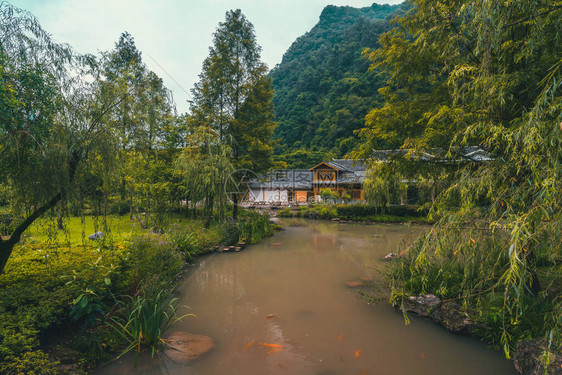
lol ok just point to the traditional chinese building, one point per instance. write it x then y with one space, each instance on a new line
342 176
345 177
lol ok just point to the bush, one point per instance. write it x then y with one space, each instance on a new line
184 241
152 263
254 225
29 363
357 211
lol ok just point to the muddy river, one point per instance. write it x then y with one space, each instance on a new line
284 307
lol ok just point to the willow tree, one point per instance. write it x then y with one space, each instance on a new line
205 166
483 73
234 96
49 120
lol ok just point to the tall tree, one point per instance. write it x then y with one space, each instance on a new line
234 96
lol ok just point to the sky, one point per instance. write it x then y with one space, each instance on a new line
174 36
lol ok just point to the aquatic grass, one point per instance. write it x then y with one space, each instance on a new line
145 320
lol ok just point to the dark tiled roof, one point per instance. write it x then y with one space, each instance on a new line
462 154
347 164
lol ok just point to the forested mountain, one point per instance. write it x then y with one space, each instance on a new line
323 88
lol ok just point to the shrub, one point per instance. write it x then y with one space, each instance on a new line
184 241
29 363
152 262
253 226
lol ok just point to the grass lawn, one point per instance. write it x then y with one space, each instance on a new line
77 230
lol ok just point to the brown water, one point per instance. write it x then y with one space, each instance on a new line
291 290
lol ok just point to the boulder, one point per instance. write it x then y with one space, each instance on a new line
448 314
528 356
96 236
183 347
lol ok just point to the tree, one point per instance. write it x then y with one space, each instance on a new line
234 96
49 120
482 73
205 166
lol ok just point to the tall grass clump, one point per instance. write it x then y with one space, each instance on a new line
253 226
145 321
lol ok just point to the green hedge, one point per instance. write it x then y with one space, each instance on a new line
354 211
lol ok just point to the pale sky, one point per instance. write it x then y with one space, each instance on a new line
177 34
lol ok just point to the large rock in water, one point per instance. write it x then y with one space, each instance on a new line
448 314
183 347
527 359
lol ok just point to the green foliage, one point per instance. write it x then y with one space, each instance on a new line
323 88
359 213
146 320
303 159
185 241
254 225
30 363
486 73
327 195
152 264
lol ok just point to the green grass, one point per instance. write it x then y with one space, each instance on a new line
119 228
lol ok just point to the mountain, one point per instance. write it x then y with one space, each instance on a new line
323 87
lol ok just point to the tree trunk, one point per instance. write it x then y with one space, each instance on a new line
235 208
5 252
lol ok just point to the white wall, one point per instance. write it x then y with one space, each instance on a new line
269 196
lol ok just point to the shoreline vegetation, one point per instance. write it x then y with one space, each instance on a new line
62 294
360 213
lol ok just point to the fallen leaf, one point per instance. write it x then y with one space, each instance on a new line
354 284
422 356
340 337
249 345
272 316
358 353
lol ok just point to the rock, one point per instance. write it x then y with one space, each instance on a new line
336 219
527 359
226 249
96 236
447 314
422 305
237 248
391 256
183 347
241 245
354 284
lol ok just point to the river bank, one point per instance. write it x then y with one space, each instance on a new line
61 291
359 213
